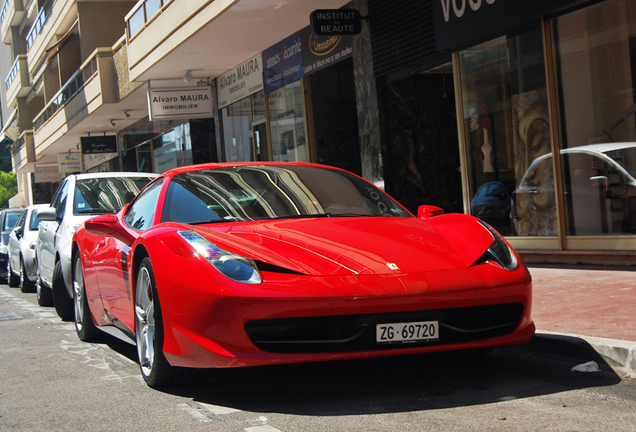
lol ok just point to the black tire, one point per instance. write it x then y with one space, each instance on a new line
43 293
26 285
155 369
84 325
12 280
61 300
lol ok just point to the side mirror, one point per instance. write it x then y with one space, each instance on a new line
18 231
428 211
108 226
47 214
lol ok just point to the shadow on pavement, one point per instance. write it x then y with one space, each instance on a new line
401 384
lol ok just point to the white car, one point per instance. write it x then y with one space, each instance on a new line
78 198
22 268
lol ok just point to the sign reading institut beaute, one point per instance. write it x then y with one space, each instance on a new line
180 103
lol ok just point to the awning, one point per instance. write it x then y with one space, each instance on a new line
51 52
10 131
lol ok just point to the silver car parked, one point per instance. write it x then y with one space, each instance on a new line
78 198
22 267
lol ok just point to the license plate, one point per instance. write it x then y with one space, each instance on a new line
407 332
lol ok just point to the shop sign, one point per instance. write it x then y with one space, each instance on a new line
99 144
283 63
457 22
240 82
47 174
320 52
93 160
69 162
336 22
180 103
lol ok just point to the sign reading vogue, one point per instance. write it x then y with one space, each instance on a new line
180 103
458 22
99 144
240 82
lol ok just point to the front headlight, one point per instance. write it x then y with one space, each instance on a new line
233 266
499 250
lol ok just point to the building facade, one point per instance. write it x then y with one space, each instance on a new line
519 113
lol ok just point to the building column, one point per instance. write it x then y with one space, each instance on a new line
367 102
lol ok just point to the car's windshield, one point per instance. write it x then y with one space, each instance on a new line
105 194
273 192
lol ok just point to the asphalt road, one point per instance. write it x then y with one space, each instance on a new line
51 381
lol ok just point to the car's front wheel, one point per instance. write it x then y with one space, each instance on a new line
61 300
155 369
84 324
26 285
12 280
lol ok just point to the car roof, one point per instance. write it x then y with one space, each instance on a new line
113 174
213 165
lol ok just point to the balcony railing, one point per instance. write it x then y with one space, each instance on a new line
72 87
15 70
143 14
37 26
17 145
5 8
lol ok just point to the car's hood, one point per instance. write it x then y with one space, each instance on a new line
356 245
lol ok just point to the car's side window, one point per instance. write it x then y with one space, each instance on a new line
142 210
20 222
59 200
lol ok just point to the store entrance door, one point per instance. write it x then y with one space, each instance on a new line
261 143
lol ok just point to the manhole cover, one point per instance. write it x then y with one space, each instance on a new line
7 316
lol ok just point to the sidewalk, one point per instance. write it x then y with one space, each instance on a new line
596 306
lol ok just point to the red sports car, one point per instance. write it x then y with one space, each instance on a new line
243 264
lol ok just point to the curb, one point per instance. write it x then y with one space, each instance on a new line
620 355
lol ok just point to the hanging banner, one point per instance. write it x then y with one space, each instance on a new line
69 162
283 63
47 174
179 103
240 82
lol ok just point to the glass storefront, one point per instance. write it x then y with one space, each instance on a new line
287 123
506 133
595 58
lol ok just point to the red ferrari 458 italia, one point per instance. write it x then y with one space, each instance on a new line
244 264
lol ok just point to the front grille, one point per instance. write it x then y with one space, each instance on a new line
342 333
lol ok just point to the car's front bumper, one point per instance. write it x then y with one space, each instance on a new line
284 319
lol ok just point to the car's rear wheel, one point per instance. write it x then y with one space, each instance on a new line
42 292
61 300
84 324
12 280
26 285
155 369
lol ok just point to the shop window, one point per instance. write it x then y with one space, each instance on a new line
287 123
507 131
596 64
237 130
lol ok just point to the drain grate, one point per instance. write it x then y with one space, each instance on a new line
8 316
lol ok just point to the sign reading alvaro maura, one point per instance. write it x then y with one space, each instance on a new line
180 103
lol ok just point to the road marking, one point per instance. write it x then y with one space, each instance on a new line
264 428
218 410
199 413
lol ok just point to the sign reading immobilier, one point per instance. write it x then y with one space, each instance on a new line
180 103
